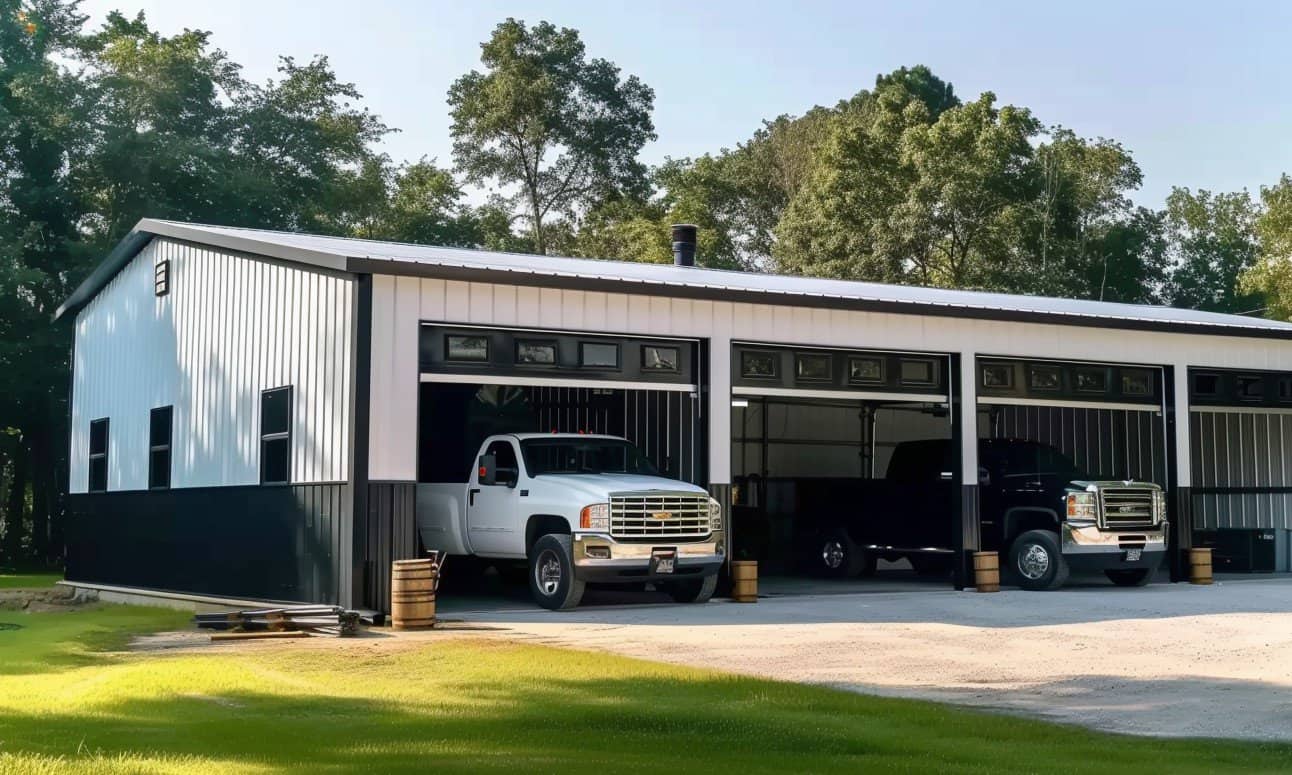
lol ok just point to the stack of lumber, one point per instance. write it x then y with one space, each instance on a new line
296 622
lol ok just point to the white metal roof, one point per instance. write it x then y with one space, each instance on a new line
370 256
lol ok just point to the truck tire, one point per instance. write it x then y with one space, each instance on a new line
839 557
1036 560
551 573
697 591
1134 577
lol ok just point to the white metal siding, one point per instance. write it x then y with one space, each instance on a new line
400 303
231 327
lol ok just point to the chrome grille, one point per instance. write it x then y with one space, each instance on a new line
648 515
1127 507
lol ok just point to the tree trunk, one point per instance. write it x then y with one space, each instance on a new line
14 511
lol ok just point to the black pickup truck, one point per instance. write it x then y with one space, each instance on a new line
1036 508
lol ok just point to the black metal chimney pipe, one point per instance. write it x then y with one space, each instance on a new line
683 244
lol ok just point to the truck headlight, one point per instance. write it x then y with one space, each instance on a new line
595 517
1083 507
1159 506
715 515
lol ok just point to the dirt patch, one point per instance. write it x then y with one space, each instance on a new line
39 600
382 639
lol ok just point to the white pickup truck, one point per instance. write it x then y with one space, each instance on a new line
577 508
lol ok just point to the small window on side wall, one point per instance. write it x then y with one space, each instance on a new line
656 358
812 367
98 456
599 355
469 348
276 436
159 443
758 365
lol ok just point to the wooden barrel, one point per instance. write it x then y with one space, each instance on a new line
412 594
1199 566
986 571
744 581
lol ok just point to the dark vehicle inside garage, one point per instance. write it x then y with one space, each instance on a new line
841 461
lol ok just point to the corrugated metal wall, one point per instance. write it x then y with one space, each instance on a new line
659 422
231 327
1241 450
1114 443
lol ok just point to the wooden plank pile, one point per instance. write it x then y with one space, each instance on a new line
272 623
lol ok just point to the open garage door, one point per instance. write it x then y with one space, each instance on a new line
1044 423
478 382
841 461
1241 451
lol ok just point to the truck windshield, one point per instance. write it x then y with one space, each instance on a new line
584 456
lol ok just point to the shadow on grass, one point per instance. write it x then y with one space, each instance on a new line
695 722
53 641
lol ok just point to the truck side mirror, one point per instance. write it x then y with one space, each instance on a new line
984 477
488 472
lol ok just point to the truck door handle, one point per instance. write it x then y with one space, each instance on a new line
471 496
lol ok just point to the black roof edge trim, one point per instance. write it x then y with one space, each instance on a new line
115 261
505 277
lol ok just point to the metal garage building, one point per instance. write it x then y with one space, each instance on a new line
250 409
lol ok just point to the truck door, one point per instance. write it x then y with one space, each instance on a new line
492 510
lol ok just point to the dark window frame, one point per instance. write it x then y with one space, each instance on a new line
883 370
161 278
448 349
1128 374
932 380
1256 379
1285 390
775 361
1211 375
1008 372
677 359
1039 368
1102 371
266 438
97 457
583 359
829 367
154 448
556 353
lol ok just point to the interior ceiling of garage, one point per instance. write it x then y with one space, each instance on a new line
366 256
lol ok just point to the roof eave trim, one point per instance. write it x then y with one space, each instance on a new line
102 274
358 265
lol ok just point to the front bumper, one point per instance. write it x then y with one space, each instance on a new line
1089 548
629 563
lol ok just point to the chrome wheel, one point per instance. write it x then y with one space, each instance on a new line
833 553
1033 562
547 572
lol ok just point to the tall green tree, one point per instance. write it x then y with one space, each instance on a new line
1214 241
561 129
1270 277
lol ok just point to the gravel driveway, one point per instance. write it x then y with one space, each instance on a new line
1172 660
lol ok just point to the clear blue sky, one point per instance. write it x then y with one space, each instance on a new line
1199 91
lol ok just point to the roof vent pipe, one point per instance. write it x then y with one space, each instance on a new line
683 244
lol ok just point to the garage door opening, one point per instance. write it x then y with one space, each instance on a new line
1044 424
841 466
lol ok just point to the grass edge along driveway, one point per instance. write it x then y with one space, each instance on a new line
69 703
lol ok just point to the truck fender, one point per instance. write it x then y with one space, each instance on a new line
1020 519
539 525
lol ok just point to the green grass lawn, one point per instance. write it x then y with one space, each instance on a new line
12 579
459 705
